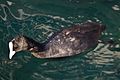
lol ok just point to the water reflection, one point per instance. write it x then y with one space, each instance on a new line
97 64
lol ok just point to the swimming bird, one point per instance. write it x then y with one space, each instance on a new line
66 42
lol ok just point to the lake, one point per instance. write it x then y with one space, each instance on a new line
38 19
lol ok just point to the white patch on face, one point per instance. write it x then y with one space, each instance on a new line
11 50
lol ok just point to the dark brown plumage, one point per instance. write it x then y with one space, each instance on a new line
67 42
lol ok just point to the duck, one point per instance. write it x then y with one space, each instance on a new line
66 42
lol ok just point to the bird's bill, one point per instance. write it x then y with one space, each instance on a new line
12 52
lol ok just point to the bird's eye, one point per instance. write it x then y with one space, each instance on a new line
15 46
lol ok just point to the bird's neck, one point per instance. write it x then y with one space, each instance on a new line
34 46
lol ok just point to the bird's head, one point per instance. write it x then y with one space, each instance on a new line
19 43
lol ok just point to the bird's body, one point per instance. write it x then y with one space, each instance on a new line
67 42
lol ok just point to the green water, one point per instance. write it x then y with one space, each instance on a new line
38 19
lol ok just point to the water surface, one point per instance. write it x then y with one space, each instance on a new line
38 19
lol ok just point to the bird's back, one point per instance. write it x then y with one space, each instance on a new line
73 40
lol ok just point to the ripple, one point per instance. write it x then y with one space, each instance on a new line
102 63
116 7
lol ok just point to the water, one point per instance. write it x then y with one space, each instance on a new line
38 19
